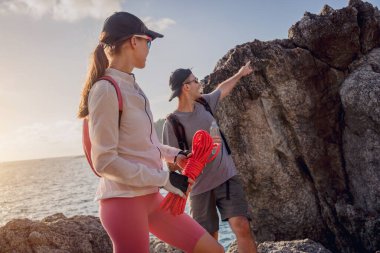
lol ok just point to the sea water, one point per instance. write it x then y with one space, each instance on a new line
35 189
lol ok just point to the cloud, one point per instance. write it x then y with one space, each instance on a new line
42 140
158 25
72 10
67 10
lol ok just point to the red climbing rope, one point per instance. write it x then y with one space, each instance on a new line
201 150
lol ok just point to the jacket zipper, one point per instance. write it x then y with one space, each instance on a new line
151 125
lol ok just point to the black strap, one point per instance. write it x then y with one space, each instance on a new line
179 130
225 142
203 102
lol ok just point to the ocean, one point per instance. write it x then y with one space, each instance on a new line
35 189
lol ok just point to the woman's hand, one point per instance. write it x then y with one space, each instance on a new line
191 182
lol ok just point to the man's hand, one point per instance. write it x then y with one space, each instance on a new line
246 69
227 86
173 167
181 160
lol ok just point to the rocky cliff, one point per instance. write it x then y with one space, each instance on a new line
304 129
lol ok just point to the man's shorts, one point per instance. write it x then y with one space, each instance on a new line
228 197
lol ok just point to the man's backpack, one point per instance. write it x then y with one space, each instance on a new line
85 131
179 129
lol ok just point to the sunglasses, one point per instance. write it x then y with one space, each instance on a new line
195 80
147 38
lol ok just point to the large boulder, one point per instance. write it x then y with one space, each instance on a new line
360 94
304 129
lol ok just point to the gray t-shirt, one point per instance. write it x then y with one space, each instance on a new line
222 167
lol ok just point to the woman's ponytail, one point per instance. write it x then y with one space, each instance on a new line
97 67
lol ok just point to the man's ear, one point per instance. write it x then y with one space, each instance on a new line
185 87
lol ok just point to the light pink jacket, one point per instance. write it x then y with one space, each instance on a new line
128 158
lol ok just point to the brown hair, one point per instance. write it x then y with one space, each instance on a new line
98 64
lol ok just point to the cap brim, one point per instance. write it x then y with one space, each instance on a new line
153 34
174 94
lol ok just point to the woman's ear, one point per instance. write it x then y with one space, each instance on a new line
133 42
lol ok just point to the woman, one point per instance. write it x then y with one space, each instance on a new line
126 152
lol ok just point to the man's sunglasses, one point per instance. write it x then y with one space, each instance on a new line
195 80
148 39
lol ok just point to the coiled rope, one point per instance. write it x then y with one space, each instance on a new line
201 150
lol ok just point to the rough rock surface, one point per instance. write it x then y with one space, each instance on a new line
55 234
304 129
297 246
157 246
360 94
85 234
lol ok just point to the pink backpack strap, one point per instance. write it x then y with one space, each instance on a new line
118 92
86 142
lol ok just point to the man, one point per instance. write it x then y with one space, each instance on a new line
218 186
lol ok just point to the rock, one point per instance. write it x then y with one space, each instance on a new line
360 94
59 234
270 123
56 234
339 37
297 246
369 23
304 129
81 234
326 10
333 38
158 246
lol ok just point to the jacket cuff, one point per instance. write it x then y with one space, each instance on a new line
173 153
166 177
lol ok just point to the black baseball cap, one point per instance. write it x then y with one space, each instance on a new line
121 25
176 81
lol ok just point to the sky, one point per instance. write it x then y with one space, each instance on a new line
46 46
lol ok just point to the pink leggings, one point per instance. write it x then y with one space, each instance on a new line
128 222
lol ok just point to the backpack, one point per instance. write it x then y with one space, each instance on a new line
179 130
86 142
